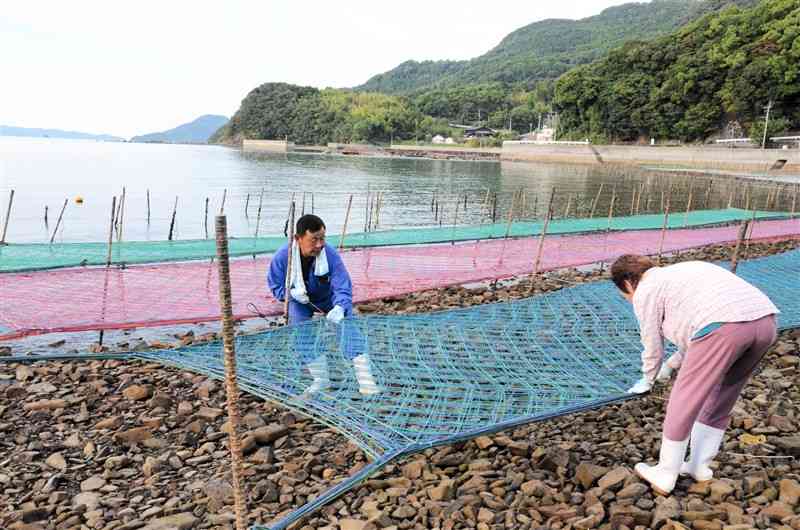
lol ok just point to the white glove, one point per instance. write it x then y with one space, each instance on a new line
664 373
641 386
299 296
336 314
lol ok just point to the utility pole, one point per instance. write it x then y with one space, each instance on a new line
766 125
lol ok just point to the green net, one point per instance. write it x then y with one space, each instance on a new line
30 257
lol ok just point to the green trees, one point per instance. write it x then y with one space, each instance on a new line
722 67
306 115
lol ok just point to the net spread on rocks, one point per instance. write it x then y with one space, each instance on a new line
40 256
457 374
177 293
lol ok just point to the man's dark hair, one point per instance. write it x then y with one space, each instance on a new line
308 223
630 267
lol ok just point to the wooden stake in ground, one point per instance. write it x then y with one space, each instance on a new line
688 206
205 218
231 389
58 223
611 207
288 284
346 220
666 222
258 214
547 217
596 200
172 221
111 230
455 222
739 239
794 201
8 217
510 218
121 214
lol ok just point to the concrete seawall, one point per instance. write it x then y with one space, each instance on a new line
267 146
691 157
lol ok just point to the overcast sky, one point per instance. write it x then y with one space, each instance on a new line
127 68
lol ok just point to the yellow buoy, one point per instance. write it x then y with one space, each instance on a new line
78 200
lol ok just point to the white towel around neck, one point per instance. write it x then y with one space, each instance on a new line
320 268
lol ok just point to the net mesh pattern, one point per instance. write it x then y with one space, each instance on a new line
174 293
30 257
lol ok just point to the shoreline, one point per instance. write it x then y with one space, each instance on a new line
767 164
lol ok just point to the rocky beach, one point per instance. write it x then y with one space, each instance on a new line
110 444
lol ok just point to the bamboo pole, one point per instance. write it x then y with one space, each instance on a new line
494 207
346 220
639 198
366 211
148 205
569 203
172 222
58 223
288 284
258 213
596 200
121 214
664 226
205 219
222 206
231 389
510 218
540 250
611 207
633 200
730 198
8 217
46 224
708 194
455 222
303 205
794 201
111 230
688 206
246 206
739 239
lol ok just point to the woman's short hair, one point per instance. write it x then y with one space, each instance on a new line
630 267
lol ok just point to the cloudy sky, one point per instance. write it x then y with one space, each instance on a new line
128 68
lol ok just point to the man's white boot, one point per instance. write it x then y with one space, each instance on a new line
366 381
318 368
704 445
662 477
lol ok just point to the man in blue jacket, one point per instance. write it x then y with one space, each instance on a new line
319 283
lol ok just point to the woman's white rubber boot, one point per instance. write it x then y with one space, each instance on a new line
662 477
704 445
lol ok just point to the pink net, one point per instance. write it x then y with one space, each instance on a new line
179 293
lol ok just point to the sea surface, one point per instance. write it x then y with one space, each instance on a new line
44 173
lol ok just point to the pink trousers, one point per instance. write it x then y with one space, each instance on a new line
713 374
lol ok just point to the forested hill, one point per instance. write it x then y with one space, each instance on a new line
721 69
548 48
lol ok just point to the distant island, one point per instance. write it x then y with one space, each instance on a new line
195 132
8 130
